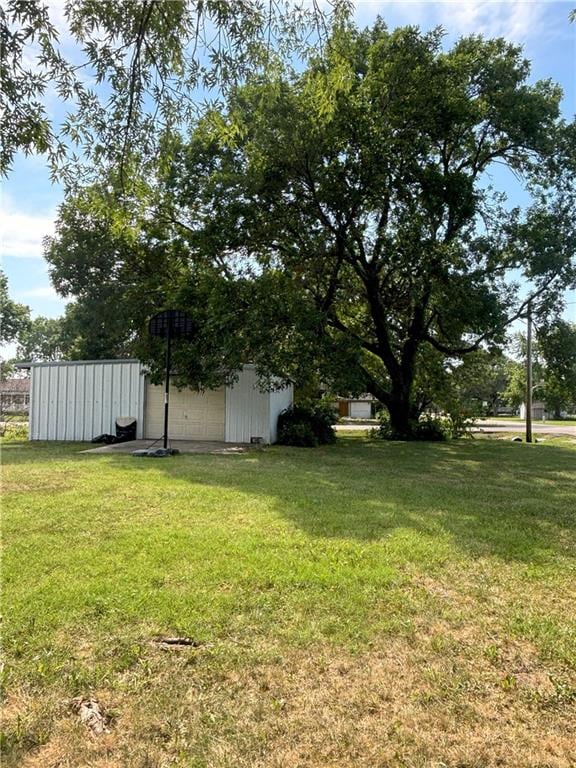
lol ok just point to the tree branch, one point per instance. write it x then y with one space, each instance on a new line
375 388
338 325
147 8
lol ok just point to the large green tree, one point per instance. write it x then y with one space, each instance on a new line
362 182
339 219
121 265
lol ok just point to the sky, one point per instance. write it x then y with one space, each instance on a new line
29 201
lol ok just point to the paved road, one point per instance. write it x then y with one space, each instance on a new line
488 425
494 425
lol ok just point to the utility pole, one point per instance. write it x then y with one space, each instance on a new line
529 374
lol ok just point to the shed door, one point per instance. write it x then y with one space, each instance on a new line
192 415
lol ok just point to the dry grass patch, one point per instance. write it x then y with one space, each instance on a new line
404 704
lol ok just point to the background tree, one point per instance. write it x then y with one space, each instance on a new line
557 343
42 339
553 364
479 382
8 369
515 392
13 316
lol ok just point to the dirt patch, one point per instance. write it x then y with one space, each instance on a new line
92 715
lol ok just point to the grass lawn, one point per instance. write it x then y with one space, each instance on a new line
364 604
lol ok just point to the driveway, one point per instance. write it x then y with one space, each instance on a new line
538 428
184 446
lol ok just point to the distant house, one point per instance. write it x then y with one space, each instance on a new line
538 410
361 407
15 395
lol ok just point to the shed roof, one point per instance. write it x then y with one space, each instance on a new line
43 363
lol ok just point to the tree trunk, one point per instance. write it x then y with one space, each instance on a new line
403 412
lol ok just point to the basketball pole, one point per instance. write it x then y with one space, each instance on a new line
167 385
529 374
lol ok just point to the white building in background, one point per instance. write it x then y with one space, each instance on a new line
539 412
361 407
15 395
82 399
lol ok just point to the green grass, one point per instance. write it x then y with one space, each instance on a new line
441 575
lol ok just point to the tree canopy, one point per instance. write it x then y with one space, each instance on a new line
127 71
339 219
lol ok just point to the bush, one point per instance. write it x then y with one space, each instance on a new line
427 428
384 430
433 429
307 426
300 435
14 430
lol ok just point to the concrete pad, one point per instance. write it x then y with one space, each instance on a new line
184 446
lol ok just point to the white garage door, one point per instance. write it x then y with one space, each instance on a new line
192 415
360 410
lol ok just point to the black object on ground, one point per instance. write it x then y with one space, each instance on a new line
125 431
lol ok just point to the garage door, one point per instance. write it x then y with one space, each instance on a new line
192 415
360 410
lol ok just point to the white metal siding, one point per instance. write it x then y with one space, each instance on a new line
247 409
79 400
191 415
279 400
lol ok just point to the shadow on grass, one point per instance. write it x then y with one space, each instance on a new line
486 497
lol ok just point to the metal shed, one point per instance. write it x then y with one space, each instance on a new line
81 399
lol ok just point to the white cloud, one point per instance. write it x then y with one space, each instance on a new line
7 351
515 20
43 300
21 232
40 292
